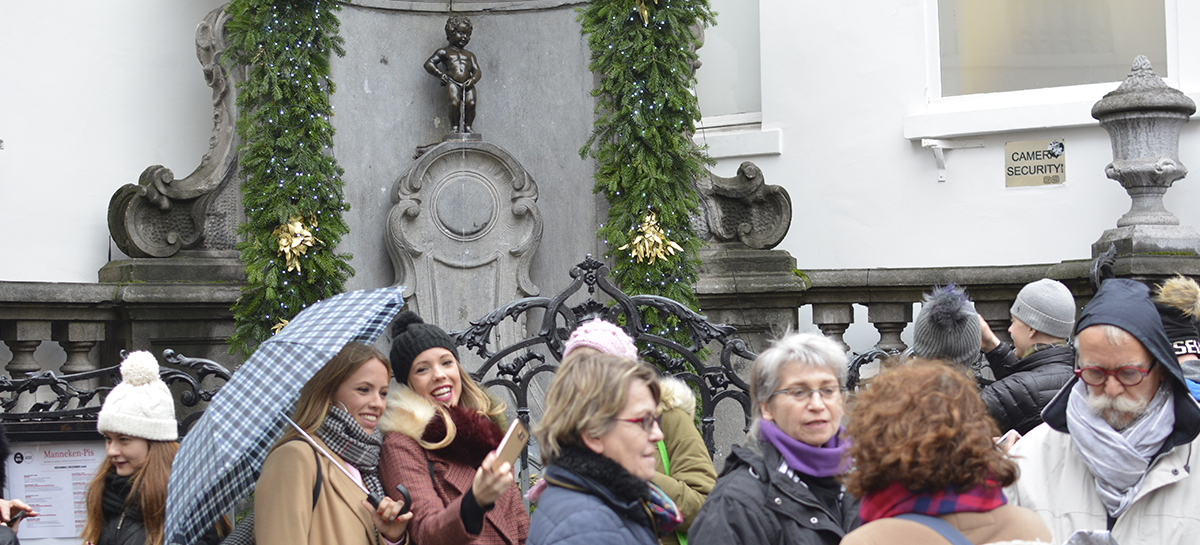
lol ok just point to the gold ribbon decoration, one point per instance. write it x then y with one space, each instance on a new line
641 6
278 327
652 243
294 240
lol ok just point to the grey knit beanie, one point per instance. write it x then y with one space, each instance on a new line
1047 306
947 328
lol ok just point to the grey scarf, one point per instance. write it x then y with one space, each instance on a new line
1119 460
348 439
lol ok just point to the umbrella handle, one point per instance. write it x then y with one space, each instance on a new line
374 499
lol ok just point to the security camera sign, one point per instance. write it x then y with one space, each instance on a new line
1035 163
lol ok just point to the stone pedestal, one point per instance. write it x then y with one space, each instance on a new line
461 234
756 291
1143 118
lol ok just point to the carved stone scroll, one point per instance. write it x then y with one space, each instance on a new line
744 209
161 215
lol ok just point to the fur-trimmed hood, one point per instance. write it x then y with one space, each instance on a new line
456 433
407 412
676 394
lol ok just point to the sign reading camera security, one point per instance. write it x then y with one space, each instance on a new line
1034 162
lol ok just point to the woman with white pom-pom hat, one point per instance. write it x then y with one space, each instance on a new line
127 499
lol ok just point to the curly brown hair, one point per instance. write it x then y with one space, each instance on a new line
925 426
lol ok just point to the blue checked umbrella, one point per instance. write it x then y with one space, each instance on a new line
222 456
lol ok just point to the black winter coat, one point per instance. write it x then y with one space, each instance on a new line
753 503
1025 386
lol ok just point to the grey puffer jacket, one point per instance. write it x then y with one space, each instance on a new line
753 503
1025 386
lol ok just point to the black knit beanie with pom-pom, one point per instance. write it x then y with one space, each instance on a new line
411 336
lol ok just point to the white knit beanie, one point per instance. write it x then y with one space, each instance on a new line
141 405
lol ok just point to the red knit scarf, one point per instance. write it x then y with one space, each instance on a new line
896 500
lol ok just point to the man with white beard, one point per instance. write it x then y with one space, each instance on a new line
1116 449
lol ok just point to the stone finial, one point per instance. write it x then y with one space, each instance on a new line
1143 90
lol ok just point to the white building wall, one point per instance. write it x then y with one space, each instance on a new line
99 91
91 93
838 81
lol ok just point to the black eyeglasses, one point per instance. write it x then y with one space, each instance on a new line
804 395
1129 375
646 422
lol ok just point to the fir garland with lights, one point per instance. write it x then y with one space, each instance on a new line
291 184
644 52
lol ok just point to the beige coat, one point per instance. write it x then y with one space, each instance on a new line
283 505
1005 523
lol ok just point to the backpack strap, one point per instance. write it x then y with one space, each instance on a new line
320 476
938 525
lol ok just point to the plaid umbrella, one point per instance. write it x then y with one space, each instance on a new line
222 456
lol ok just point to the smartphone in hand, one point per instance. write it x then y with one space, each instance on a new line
514 440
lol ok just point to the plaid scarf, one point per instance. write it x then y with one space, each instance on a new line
896 500
348 439
666 515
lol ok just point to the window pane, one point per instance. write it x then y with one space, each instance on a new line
729 81
1008 45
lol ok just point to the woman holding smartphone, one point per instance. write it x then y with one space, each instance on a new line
441 435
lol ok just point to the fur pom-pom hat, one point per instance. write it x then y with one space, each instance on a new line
602 336
141 405
1178 304
411 336
948 328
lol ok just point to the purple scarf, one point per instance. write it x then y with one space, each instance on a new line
824 461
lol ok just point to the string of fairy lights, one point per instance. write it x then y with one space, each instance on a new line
291 183
644 52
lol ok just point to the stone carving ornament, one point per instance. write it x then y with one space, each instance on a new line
463 230
161 215
744 209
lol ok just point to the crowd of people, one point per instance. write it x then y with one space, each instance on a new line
1086 428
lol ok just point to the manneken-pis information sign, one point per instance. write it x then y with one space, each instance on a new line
1035 162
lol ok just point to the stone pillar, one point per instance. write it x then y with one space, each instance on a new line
890 319
834 319
77 340
22 338
1143 118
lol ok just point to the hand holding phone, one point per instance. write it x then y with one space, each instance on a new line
512 444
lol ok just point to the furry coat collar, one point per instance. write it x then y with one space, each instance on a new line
474 435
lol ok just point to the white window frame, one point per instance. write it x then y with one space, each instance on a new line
1055 107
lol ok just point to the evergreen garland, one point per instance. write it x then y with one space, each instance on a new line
291 185
644 53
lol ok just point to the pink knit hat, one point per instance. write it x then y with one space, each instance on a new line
602 336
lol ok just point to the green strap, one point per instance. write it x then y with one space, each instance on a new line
662 453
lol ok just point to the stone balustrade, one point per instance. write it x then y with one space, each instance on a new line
889 294
92 323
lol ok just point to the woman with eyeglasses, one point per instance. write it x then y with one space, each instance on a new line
781 485
598 436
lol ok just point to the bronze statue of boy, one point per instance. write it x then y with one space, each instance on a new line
459 74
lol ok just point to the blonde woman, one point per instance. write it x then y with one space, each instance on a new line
442 431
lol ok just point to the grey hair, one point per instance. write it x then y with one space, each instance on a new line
810 350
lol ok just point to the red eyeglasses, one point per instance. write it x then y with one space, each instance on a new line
1129 375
